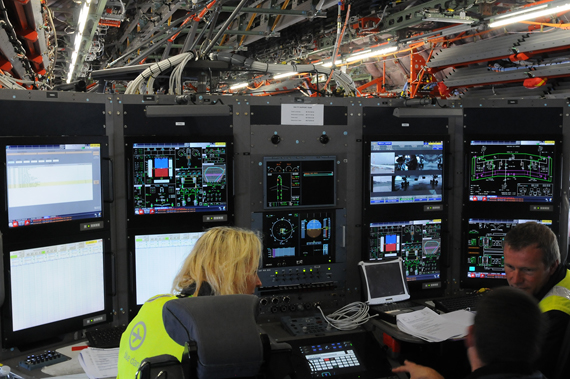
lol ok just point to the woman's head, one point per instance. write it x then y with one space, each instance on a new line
226 258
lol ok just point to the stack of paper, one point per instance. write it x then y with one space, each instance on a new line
99 363
432 327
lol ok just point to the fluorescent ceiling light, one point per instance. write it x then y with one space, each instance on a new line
78 37
529 9
373 53
285 75
529 15
237 86
329 63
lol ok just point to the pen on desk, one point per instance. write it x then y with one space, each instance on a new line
77 348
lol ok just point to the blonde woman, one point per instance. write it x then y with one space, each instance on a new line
224 261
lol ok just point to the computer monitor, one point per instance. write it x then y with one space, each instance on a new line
179 180
512 169
300 181
482 257
298 238
399 171
417 242
53 180
157 258
53 289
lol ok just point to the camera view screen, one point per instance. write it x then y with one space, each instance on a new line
511 171
417 242
298 238
485 237
179 177
406 171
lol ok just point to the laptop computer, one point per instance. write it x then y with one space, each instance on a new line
386 289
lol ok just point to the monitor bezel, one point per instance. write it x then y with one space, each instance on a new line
498 207
370 210
54 332
476 283
83 225
194 219
306 158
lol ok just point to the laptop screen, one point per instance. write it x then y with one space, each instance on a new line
384 281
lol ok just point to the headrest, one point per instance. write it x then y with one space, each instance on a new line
225 332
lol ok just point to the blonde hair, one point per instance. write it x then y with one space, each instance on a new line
224 257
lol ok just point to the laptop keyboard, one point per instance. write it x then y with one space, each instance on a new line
449 304
394 306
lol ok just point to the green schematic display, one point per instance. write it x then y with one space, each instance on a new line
179 177
299 182
512 171
485 259
418 242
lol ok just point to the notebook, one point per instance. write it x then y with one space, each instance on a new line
386 289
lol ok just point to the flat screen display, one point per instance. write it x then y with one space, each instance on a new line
293 182
298 238
417 242
512 170
54 289
332 359
179 177
406 171
160 257
53 183
485 237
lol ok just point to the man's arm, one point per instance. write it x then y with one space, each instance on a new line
418 371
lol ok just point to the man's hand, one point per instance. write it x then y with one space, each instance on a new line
418 371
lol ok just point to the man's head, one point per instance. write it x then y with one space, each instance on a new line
508 328
531 256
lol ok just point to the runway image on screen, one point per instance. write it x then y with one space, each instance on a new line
406 171
179 177
485 237
418 242
512 171
298 238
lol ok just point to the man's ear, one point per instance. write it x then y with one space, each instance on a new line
470 341
554 267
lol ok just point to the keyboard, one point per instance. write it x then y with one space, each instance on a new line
105 338
454 303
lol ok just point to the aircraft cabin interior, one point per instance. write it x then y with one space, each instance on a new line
380 149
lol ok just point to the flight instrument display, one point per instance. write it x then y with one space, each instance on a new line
512 171
293 182
417 242
485 237
298 238
179 177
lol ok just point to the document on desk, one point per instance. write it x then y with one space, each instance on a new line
99 363
432 327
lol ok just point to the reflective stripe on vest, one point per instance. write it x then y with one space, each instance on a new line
558 298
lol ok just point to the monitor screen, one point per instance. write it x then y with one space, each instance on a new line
158 258
73 294
292 182
484 259
511 170
180 177
406 171
53 183
298 238
417 242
